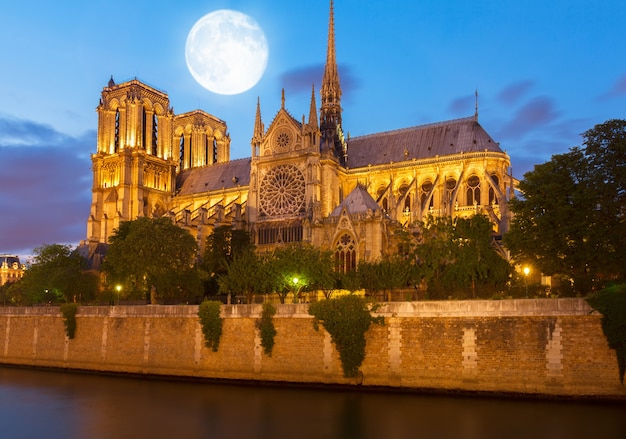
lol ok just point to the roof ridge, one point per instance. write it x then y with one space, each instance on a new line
428 125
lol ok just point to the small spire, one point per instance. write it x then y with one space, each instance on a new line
282 99
313 110
476 107
111 82
257 136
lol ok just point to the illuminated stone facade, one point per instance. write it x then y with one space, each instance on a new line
11 269
304 182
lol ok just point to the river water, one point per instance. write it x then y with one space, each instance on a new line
51 404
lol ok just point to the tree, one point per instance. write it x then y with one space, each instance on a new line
385 275
153 255
571 220
298 268
475 259
56 275
247 274
459 254
222 246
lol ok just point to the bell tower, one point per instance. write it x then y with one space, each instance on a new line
134 168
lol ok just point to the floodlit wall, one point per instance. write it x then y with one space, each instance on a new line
542 347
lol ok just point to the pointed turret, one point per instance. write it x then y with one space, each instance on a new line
257 135
330 111
313 110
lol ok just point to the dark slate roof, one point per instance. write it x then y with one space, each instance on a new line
214 177
357 201
420 142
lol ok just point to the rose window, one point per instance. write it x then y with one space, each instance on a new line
282 191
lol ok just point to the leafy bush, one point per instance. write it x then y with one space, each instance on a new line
209 315
611 303
68 310
266 327
346 319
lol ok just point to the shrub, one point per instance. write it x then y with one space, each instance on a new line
611 303
68 310
265 325
209 315
346 319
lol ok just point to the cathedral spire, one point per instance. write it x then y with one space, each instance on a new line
330 111
313 110
257 135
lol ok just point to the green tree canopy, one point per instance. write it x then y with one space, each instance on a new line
571 220
56 275
389 273
153 254
300 267
222 247
459 254
246 274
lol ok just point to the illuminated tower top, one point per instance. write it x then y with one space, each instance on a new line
330 111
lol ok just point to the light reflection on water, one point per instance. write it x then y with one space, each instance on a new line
35 403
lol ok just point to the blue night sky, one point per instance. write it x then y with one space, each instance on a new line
545 72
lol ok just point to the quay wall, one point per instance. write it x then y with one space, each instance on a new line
541 347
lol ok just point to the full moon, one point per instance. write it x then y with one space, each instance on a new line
226 52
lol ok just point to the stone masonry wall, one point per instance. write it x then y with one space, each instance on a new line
541 347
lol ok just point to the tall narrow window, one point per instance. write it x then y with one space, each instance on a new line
144 136
450 186
206 150
473 190
427 187
117 131
493 199
214 151
155 134
181 145
345 254
190 149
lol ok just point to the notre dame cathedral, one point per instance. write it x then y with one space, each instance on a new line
305 180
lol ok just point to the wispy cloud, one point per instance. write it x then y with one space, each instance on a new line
512 94
46 181
462 105
618 89
537 113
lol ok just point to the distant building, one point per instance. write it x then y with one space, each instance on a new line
11 270
306 181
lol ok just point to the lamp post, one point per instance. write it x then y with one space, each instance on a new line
526 271
295 289
118 288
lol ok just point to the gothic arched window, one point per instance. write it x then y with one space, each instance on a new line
450 185
155 133
181 145
493 199
473 190
117 131
345 254
427 187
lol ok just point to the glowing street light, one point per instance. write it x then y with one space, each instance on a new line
296 289
526 271
118 288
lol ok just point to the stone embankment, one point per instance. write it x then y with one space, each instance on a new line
543 347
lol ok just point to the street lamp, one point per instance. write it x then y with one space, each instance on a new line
526 271
295 281
118 288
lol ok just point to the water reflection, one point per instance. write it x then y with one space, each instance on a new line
59 405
